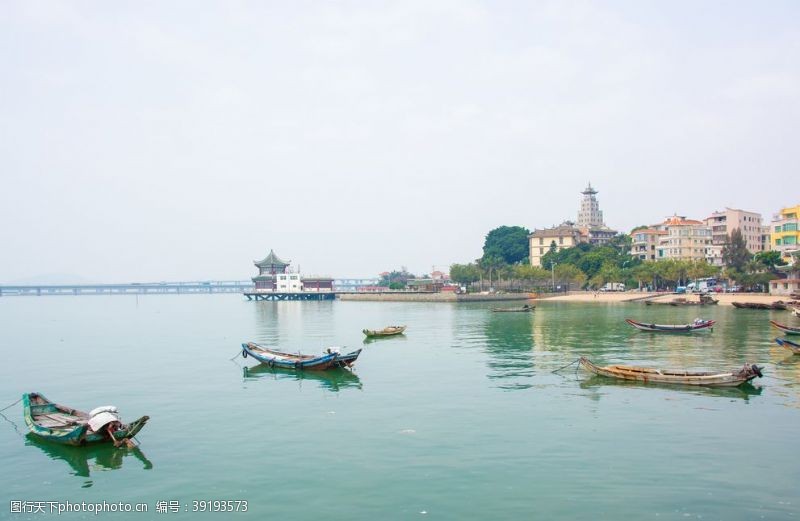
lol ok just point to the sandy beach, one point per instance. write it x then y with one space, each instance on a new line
725 299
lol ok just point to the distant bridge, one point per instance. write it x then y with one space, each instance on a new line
133 288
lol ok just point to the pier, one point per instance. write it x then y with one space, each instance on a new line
306 295
133 288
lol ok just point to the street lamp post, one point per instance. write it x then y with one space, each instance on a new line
624 264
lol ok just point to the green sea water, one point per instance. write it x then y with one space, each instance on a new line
460 418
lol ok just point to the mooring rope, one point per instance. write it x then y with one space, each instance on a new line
569 364
12 423
10 406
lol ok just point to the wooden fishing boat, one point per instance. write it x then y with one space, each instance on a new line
780 305
698 324
61 424
794 347
732 378
387 331
704 300
789 330
331 358
527 308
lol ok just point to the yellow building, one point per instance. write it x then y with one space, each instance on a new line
784 232
686 239
563 236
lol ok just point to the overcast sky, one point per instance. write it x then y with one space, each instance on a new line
182 140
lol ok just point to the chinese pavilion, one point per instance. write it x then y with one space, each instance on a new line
268 269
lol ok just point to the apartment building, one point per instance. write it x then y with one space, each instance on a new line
748 223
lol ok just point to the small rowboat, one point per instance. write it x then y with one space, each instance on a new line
329 359
644 374
778 304
387 331
61 424
789 330
794 347
527 308
673 328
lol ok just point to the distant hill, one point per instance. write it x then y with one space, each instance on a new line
49 279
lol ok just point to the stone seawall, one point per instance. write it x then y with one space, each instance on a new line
431 297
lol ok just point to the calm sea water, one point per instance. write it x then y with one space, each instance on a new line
461 418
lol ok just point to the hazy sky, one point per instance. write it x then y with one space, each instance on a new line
182 140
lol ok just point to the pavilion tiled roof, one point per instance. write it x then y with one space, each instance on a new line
271 260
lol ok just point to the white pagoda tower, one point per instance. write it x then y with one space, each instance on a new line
590 215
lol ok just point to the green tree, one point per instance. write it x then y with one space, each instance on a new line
608 272
490 265
534 275
571 274
770 259
734 252
509 243
465 273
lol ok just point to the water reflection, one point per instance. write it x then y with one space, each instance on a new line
82 461
332 380
509 345
379 339
595 383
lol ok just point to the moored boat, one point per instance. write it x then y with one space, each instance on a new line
732 378
673 328
527 308
61 424
794 347
387 331
789 330
779 305
331 358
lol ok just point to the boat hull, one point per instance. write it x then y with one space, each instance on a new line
794 347
323 362
387 331
786 329
670 328
77 434
648 375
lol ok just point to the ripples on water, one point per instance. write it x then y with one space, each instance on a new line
461 417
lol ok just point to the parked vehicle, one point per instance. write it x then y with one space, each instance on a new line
613 286
702 286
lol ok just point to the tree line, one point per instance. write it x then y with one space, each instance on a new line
505 264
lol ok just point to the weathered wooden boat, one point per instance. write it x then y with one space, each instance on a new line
704 300
698 324
789 330
527 308
387 331
332 357
794 347
61 424
779 305
732 378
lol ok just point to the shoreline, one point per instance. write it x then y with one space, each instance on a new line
725 299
